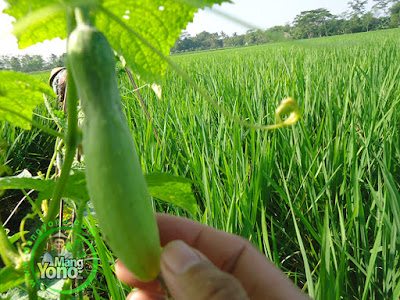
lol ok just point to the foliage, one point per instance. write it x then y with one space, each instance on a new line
335 159
311 22
165 187
321 200
307 24
358 7
395 15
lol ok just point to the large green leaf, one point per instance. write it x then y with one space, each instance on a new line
44 19
172 189
75 188
19 95
166 187
159 22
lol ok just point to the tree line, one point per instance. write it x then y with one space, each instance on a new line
31 63
320 22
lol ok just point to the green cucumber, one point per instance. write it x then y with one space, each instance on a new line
115 180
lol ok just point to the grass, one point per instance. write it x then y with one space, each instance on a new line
29 149
321 198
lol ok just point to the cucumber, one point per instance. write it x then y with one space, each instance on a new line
115 180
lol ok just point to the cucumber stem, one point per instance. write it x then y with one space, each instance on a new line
71 142
82 16
32 291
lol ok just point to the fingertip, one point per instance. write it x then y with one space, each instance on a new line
118 266
178 257
126 276
121 271
143 295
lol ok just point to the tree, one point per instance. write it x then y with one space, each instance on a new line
256 37
32 63
6 62
355 24
185 44
358 7
312 23
38 63
235 40
278 33
15 64
26 62
62 60
223 35
54 61
204 40
395 15
380 6
368 21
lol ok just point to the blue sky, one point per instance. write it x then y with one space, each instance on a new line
262 13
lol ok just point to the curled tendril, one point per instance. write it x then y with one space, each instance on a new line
22 225
289 107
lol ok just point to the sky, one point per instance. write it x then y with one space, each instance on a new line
262 14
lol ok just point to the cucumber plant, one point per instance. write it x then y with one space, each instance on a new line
114 177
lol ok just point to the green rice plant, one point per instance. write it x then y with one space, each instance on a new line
322 198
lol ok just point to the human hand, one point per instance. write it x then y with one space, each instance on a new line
199 262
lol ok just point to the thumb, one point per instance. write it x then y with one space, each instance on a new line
190 275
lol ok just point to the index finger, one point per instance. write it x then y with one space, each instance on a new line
232 254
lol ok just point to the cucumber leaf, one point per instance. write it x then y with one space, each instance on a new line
37 21
158 22
172 189
75 188
166 187
19 95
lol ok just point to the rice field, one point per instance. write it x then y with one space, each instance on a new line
321 198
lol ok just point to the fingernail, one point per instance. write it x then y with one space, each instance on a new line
179 257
